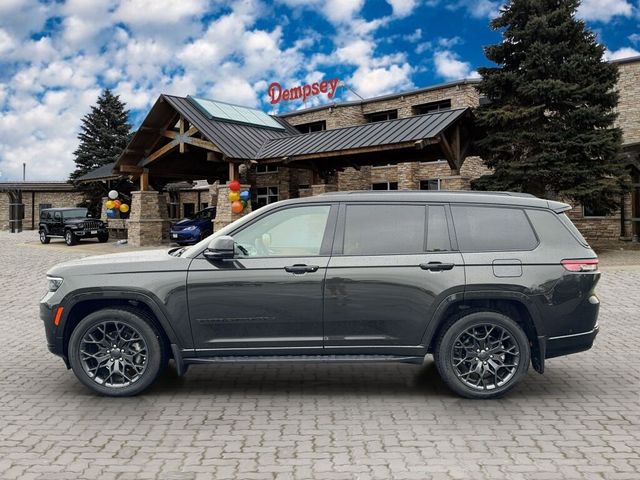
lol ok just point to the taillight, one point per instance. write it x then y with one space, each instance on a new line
590 265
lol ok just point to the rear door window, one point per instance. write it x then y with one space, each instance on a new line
492 229
377 229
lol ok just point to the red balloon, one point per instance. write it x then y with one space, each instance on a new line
116 204
234 186
237 207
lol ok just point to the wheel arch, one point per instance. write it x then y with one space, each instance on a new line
80 305
512 304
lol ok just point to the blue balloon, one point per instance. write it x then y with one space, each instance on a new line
244 195
111 213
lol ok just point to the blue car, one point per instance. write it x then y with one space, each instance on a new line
192 230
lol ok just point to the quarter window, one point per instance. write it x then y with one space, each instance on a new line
492 229
294 232
384 229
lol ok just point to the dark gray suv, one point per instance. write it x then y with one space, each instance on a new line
485 282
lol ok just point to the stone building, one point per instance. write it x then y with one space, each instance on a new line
35 197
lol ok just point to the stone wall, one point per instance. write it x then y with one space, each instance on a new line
148 223
337 116
224 215
55 199
629 102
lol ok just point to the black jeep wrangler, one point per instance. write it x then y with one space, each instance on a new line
72 224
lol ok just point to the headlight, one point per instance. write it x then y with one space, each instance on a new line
53 283
192 227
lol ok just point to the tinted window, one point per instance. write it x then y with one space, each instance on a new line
292 232
384 229
437 230
491 229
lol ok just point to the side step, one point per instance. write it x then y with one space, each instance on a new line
308 359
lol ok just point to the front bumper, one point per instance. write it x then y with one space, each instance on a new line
184 236
90 233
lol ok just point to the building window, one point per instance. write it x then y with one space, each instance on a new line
266 168
42 206
266 195
382 116
593 209
432 107
189 209
204 205
431 184
312 127
384 186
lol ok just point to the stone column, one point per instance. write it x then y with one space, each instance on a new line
224 215
103 209
407 176
148 223
321 188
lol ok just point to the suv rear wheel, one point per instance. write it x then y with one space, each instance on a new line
116 352
43 237
482 354
70 238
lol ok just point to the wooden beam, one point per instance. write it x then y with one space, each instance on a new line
158 153
448 151
181 123
198 142
130 169
234 172
144 180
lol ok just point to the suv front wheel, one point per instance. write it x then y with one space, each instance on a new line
482 354
116 352
70 238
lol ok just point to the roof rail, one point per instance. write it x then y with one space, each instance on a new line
465 192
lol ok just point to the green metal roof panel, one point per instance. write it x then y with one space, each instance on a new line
235 113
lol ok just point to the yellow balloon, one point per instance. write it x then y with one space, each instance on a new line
109 204
234 196
124 208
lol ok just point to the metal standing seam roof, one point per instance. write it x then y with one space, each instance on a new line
104 172
234 139
389 132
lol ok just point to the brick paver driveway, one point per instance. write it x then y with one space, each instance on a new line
579 420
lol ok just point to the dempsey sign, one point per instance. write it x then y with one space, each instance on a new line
277 93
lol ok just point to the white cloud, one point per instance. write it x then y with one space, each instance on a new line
6 42
450 67
336 11
477 8
604 10
624 52
402 8
158 12
369 82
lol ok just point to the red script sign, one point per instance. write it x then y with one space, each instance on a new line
277 93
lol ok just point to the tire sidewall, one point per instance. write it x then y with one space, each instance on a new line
445 344
43 237
150 336
69 238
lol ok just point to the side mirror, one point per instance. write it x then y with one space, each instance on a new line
220 248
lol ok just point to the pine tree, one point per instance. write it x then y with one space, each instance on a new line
104 134
548 126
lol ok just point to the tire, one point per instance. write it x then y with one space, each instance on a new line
103 237
43 237
477 377
70 238
141 367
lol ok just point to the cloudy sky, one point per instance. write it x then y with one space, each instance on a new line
56 56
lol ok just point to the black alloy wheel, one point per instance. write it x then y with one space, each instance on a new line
43 237
116 352
70 238
482 354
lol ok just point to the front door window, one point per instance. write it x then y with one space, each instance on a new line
294 232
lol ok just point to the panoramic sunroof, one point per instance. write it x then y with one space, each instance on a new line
235 113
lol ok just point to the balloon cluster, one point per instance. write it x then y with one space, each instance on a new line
237 198
114 205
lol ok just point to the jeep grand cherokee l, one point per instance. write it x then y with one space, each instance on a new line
486 283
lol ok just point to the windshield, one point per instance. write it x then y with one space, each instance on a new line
75 213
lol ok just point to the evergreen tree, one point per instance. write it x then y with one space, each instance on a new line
548 126
104 134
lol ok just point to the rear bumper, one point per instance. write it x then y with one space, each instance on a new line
567 344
